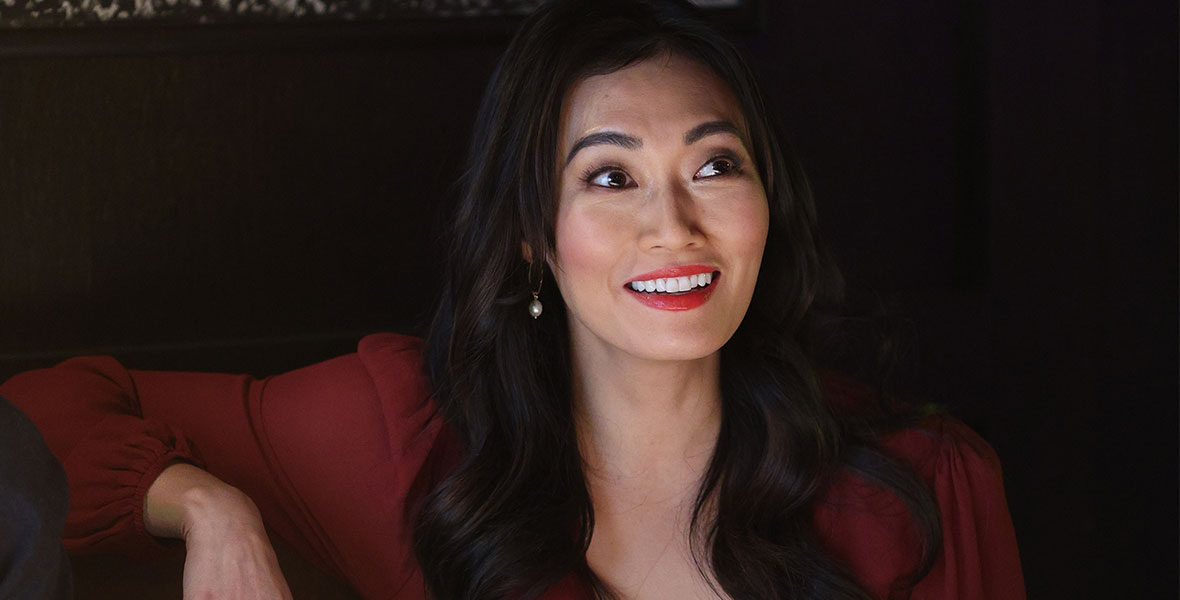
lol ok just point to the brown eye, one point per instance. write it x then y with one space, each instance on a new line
715 167
611 178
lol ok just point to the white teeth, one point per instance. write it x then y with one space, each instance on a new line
673 284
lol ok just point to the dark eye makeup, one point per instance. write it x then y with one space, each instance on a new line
616 178
610 176
718 166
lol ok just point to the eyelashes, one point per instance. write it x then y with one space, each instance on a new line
718 166
609 176
615 177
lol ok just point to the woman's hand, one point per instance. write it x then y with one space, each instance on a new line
229 555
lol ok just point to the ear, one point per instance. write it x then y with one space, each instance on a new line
526 252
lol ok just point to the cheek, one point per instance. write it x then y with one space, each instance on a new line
588 243
760 228
752 222
742 226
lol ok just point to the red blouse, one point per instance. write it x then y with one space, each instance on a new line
330 453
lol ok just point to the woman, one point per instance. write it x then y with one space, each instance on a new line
617 397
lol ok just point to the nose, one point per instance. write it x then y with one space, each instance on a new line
670 219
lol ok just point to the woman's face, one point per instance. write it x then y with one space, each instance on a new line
658 192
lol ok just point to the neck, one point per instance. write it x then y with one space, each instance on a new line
648 421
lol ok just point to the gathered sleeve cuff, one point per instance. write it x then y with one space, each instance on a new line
87 410
109 473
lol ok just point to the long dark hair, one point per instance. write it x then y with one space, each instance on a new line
514 516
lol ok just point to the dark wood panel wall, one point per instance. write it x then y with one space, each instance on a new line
225 198
1004 175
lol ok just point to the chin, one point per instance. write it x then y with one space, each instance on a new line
676 347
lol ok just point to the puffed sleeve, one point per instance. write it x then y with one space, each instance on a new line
871 532
979 557
330 453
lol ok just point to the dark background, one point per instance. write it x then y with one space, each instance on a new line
1001 174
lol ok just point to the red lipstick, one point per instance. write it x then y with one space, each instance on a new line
682 271
676 301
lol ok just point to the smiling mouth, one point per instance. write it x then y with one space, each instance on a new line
675 286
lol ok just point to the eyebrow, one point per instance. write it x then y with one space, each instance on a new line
623 140
605 137
710 128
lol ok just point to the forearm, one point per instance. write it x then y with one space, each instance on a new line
228 552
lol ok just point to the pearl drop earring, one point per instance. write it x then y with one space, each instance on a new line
535 307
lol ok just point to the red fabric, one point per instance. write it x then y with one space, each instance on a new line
331 452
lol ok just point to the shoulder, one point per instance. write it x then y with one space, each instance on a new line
378 394
870 529
931 442
349 420
349 439
979 557
940 447
394 363
391 345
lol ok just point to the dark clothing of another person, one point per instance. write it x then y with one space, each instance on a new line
34 499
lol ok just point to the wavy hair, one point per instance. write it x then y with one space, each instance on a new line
514 516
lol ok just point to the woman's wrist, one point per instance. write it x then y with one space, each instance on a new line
218 506
228 553
185 498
